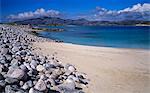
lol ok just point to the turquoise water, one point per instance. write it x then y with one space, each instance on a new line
108 36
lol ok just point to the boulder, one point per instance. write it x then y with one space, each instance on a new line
17 74
40 85
4 51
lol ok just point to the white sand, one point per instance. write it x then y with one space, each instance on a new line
111 70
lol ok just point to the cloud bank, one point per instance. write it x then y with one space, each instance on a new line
36 14
136 12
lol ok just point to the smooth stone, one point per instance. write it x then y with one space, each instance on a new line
68 72
8 57
21 91
48 66
72 91
13 89
1 68
15 49
4 51
6 40
69 84
23 67
9 89
14 63
40 68
71 68
2 57
16 73
23 52
11 80
2 83
30 83
55 64
25 86
34 82
33 64
18 53
3 61
56 73
30 73
73 78
18 57
40 85
4 74
32 90
21 83
42 77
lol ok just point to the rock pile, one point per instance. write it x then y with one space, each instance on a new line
22 71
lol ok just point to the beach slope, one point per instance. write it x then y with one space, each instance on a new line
110 70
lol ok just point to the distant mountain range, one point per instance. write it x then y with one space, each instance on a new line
60 21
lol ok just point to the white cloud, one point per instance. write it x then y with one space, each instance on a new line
38 13
137 8
136 12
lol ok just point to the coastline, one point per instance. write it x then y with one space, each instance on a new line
121 37
23 70
110 70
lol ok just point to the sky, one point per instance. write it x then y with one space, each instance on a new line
10 9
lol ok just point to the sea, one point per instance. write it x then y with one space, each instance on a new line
102 36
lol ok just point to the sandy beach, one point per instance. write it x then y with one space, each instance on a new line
110 70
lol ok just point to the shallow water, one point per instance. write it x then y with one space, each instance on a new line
110 36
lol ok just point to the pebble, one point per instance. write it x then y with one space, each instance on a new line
30 84
22 71
69 84
15 49
2 83
21 83
16 73
4 51
11 80
25 86
9 89
40 85
71 68
23 67
40 68
31 90
1 68
33 64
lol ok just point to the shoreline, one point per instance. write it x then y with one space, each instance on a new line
110 70
122 46
128 48
23 70
128 76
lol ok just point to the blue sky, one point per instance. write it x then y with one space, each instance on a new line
72 7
